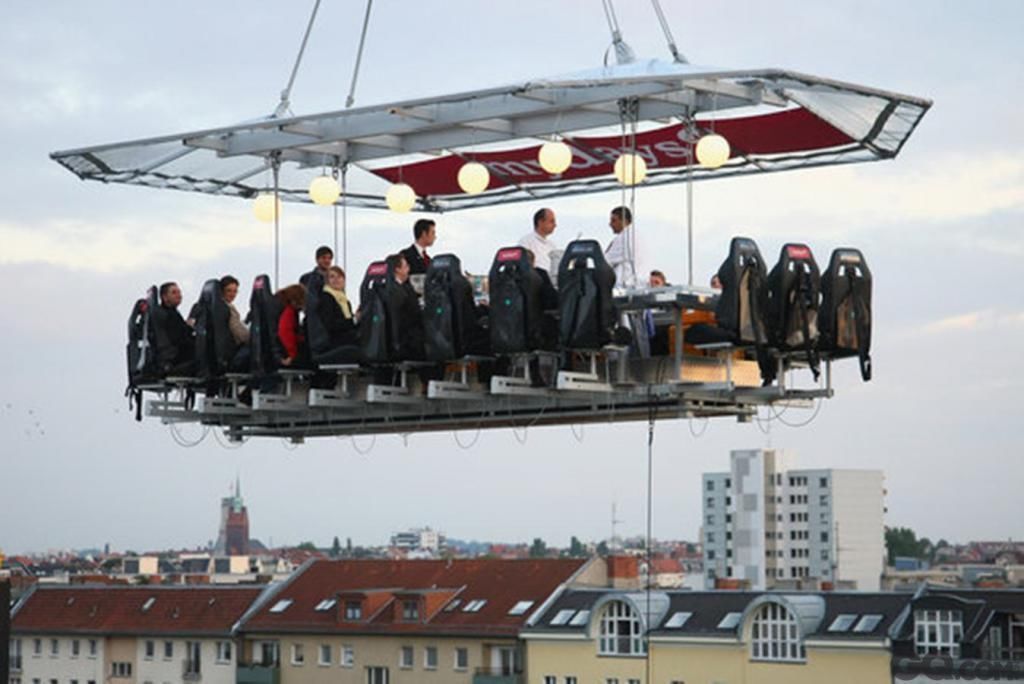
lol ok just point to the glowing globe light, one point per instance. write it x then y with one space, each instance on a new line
630 169
555 157
263 207
400 197
324 190
712 151
474 178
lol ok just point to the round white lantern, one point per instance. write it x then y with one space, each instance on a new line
474 178
555 157
630 169
263 207
400 197
324 190
712 151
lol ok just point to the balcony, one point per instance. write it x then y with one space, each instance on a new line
190 671
254 673
496 675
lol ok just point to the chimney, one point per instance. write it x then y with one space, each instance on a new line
624 572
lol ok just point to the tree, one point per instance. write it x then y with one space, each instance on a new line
306 546
602 548
538 549
336 547
576 548
903 542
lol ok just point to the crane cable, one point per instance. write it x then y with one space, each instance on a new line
676 55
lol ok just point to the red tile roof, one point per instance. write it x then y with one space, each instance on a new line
119 610
501 583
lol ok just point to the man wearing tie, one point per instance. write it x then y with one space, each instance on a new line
424 233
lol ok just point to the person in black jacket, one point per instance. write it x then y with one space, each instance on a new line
424 233
176 350
406 303
336 311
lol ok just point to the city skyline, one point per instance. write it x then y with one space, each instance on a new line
940 227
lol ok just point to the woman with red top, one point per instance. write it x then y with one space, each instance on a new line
292 300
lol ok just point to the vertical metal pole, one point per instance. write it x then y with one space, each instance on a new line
334 211
277 223
344 218
689 219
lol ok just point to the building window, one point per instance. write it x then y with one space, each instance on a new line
938 632
377 675
430 658
120 669
611 680
710 485
824 554
348 656
620 631
711 537
728 518
823 500
37 647
775 635
461 658
570 679
410 610
711 554
168 650
710 519
192 667
354 611
405 657
325 655
54 647
728 482
298 654
823 482
728 501
150 649
223 651
76 648
550 679
270 654
711 502
92 648
15 655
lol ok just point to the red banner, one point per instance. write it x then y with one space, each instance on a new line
791 131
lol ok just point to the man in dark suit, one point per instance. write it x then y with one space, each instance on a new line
424 233
405 302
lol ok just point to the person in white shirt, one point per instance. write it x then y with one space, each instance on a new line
619 253
537 240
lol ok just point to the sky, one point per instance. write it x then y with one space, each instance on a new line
941 227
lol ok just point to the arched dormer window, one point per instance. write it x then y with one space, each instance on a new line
775 635
621 631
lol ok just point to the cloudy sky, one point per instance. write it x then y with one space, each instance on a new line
941 227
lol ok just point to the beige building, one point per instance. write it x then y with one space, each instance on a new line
628 636
397 622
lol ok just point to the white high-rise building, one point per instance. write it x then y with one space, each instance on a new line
771 525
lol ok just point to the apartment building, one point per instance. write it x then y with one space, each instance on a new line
127 634
399 622
767 524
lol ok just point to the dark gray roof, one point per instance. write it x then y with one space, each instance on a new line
708 608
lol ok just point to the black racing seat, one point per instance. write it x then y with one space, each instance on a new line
374 330
845 315
587 312
141 348
794 290
517 315
215 347
449 314
742 305
317 336
265 311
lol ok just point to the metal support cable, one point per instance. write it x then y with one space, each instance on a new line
286 94
277 221
359 56
623 53
651 415
668 33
